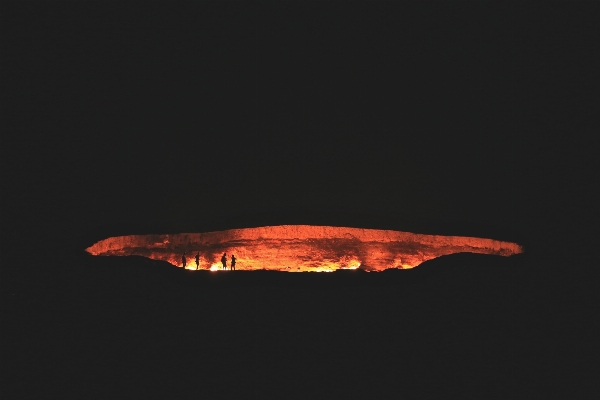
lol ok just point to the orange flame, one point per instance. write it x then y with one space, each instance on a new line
300 248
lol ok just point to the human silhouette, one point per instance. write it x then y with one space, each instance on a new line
232 262
197 260
183 260
224 260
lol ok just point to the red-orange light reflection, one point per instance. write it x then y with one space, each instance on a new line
301 248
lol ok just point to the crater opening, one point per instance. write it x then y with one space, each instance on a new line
299 248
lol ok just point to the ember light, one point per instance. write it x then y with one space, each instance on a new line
300 248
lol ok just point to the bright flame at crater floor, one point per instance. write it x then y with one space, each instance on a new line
300 248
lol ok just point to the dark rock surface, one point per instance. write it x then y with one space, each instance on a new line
114 326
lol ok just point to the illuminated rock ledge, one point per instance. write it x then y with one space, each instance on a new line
300 248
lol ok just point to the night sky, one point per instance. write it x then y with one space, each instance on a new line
133 118
151 114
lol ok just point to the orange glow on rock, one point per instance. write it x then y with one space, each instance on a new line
300 248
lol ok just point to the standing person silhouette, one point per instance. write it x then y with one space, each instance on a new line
183 260
232 262
197 260
224 261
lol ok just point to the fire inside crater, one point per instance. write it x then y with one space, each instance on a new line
300 248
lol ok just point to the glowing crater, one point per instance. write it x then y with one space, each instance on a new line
300 248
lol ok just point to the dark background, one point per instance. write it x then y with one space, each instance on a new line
465 118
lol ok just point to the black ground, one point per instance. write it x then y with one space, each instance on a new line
464 324
474 119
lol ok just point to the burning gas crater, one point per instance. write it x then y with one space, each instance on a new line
300 248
